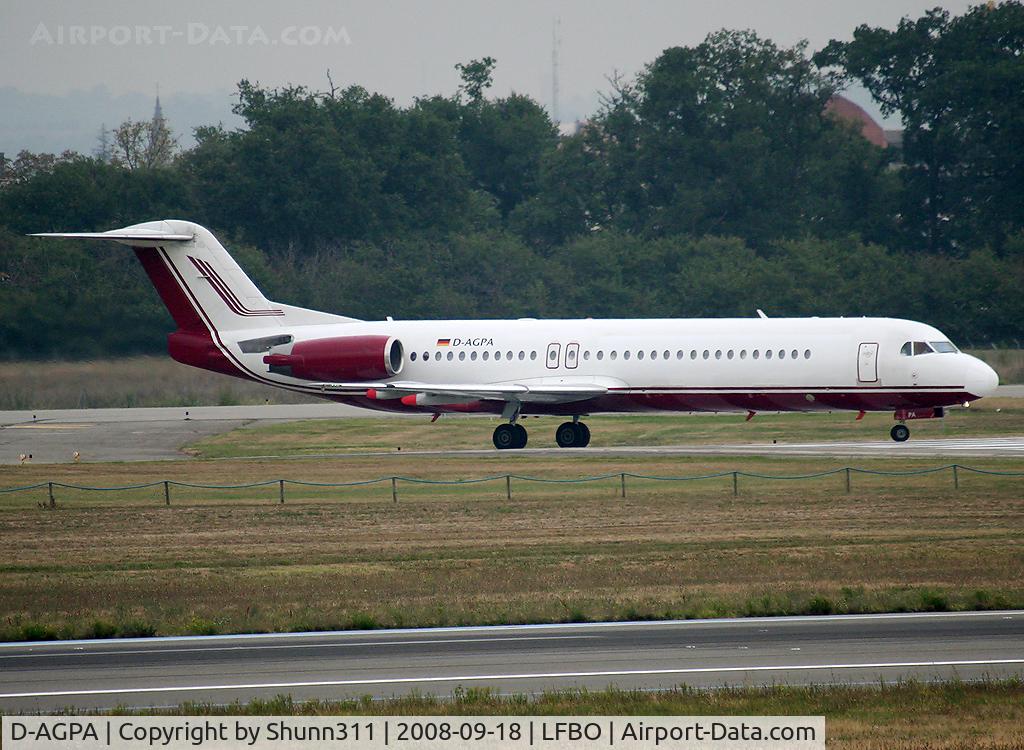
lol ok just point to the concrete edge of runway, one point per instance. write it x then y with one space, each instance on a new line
711 621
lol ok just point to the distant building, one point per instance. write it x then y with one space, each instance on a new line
844 109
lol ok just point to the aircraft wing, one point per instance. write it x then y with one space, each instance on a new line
550 393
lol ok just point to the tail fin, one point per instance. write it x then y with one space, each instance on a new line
202 286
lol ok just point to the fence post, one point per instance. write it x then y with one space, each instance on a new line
735 484
394 489
956 478
167 492
280 485
847 480
623 477
508 486
53 503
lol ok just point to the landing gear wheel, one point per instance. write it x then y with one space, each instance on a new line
509 436
900 433
572 435
504 436
521 436
567 436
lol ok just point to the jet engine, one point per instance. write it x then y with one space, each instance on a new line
341 359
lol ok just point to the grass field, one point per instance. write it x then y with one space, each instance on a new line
126 382
237 560
160 381
992 416
899 716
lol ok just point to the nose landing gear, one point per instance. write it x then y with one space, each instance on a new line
900 433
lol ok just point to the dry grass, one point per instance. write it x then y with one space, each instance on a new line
127 382
239 561
901 716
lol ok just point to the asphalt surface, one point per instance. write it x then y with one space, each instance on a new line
152 434
514 659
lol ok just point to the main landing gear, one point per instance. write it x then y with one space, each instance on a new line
510 436
900 433
572 434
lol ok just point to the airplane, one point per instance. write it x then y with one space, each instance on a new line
569 368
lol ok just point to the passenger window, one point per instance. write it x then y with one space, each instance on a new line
586 354
625 354
508 356
767 353
462 356
756 354
486 356
729 354
522 355
679 354
437 356
451 356
807 353
412 356
600 354
705 354
743 353
639 355
472 356
533 356
782 353
654 355
794 354
614 355
693 354
718 354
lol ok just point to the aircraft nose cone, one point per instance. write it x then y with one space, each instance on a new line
981 380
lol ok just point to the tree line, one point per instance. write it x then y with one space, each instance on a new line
713 183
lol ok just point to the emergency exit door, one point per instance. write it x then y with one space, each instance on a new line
867 363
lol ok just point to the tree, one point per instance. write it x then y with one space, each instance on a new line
143 145
476 77
956 83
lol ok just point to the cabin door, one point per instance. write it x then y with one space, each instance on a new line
867 363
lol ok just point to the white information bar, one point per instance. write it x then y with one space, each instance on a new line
412 732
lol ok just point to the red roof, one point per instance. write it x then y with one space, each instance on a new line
846 110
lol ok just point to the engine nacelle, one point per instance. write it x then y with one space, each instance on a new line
341 359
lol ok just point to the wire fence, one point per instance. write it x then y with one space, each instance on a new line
281 485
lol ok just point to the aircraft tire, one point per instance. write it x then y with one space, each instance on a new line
521 436
567 436
900 433
584 431
505 437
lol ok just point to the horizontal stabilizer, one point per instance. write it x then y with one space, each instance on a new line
138 238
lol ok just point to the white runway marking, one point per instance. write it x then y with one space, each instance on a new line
79 651
523 676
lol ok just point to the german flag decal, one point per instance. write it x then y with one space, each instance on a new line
444 342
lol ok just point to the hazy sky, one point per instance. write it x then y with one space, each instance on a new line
401 48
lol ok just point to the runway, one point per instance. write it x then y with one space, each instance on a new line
513 659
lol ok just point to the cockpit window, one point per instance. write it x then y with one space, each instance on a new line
943 347
913 348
